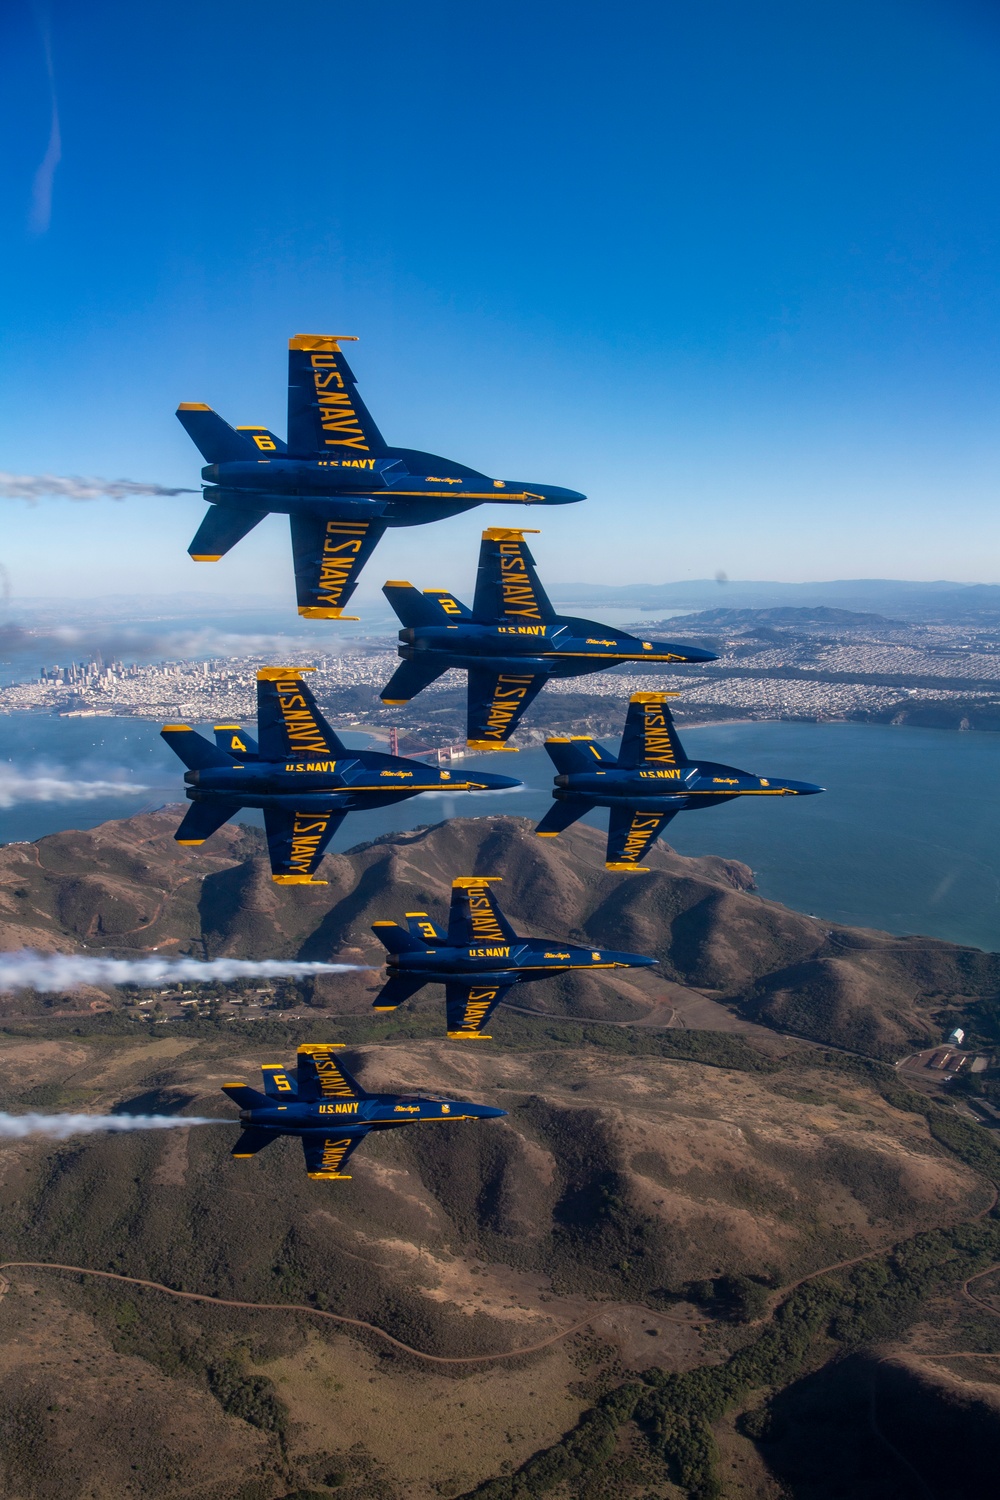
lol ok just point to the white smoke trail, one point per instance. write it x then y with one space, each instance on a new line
62 971
40 213
60 1127
56 786
32 487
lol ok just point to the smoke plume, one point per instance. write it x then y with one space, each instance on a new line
40 213
56 786
62 971
33 487
59 1127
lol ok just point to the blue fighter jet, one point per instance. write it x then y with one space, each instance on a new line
336 479
478 959
649 782
510 642
301 774
331 1112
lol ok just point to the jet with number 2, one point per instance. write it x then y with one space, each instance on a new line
510 642
336 479
478 959
301 775
649 782
330 1111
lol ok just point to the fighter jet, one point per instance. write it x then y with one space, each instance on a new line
478 959
510 642
330 1111
336 479
649 782
301 774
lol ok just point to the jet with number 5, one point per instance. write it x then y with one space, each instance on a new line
301 774
478 959
336 478
646 784
510 642
330 1112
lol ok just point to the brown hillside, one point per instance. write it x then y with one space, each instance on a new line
126 888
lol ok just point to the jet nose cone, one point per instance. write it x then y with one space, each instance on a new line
696 653
541 494
488 1112
633 960
802 788
488 781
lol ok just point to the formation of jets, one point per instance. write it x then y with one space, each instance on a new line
341 487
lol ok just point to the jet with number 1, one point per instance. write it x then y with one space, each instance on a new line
646 784
336 478
510 642
478 959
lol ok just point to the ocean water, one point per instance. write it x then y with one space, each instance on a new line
906 838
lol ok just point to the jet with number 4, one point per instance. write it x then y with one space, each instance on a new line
646 784
330 1112
301 775
510 642
478 959
336 479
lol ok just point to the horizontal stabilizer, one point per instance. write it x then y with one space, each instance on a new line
430 607
328 556
216 441
201 820
221 529
577 753
252 1141
559 816
411 677
197 753
397 989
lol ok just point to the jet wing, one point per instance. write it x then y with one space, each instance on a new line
475 916
289 722
326 1155
507 586
328 556
632 834
650 736
469 1007
496 704
297 841
326 416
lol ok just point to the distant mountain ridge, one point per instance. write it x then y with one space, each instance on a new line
898 597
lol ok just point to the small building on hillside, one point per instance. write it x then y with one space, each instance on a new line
956 1037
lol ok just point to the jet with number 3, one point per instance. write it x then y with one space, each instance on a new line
330 1112
510 642
301 775
336 478
478 959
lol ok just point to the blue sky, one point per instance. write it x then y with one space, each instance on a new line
731 269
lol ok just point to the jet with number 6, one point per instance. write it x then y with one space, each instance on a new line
478 959
336 478
330 1112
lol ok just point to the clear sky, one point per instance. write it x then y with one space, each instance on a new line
729 268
